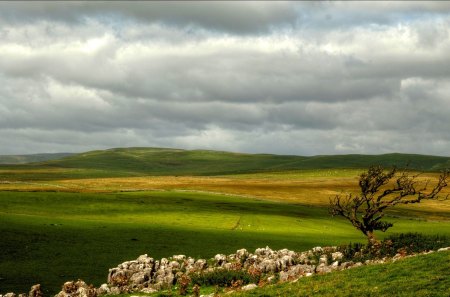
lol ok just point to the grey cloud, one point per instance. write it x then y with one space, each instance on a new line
242 17
245 76
236 17
89 76
321 15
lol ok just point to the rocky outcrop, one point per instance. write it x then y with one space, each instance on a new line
77 289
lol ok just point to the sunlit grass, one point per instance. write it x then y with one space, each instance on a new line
81 235
420 276
60 223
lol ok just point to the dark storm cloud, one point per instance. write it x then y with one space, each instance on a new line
281 77
243 17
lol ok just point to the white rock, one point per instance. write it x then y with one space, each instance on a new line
114 291
242 254
249 287
323 260
179 257
103 289
220 258
337 256
444 249
148 290
317 249
174 265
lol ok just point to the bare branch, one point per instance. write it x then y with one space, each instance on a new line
378 191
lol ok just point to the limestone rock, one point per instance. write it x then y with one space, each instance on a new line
77 289
35 291
179 257
114 291
323 260
337 256
334 265
220 259
103 290
242 254
267 266
200 264
317 249
295 272
322 268
249 287
149 290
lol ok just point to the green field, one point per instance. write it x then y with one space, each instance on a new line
78 216
49 238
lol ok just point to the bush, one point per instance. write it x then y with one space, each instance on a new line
405 243
224 278
416 242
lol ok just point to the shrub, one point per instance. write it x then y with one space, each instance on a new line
405 243
224 278
183 282
416 242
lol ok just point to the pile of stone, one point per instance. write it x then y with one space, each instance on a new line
35 291
147 275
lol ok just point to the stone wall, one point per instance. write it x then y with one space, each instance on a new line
148 275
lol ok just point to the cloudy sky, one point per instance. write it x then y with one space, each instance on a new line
300 78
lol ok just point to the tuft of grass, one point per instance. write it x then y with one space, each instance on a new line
224 278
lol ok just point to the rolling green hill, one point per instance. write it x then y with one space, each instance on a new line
123 162
23 159
159 161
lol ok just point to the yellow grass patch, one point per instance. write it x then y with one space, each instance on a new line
299 187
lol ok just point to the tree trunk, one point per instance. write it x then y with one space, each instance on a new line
371 237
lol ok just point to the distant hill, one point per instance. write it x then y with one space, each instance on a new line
23 159
163 161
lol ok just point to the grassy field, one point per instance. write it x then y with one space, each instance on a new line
50 237
75 218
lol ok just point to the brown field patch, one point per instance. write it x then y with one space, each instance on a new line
294 189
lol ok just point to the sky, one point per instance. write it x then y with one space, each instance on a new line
301 78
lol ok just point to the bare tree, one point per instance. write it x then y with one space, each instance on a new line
379 190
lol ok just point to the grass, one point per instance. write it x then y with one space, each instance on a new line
309 187
419 276
128 162
78 216
23 159
50 237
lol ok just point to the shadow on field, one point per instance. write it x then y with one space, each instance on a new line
36 250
